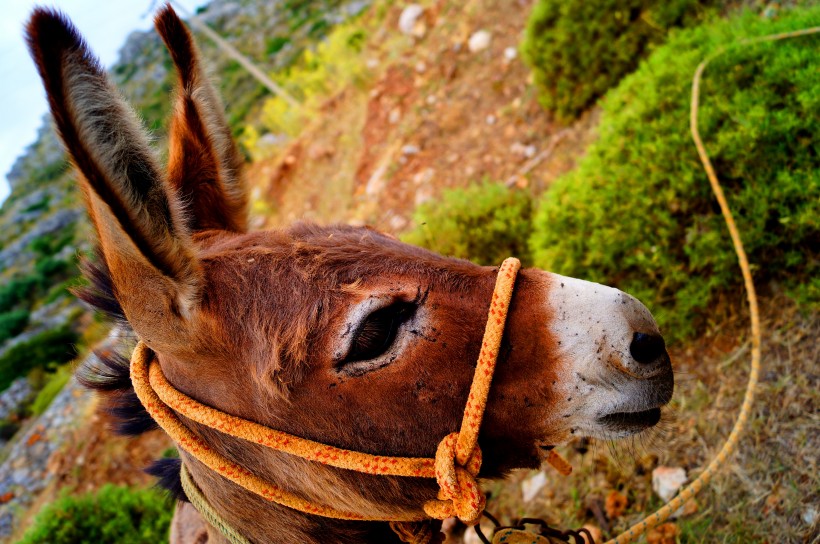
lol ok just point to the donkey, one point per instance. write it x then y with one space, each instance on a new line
338 334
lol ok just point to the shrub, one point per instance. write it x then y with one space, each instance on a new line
113 514
48 267
47 348
485 223
578 50
638 211
54 384
52 243
337 62
17 290
12 323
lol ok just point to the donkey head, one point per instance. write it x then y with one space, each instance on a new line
338 334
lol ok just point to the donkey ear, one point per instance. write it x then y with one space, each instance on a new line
143 237
204 164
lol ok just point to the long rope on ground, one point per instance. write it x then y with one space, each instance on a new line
728 448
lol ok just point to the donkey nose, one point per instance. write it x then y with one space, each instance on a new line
647 348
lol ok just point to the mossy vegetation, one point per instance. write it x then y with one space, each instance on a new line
50 348
579 50
335 63
54 383
12 323
113 514
638 212
485 223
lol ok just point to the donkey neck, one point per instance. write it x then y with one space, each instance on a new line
260 520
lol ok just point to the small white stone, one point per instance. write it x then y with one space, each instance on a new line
395 116
479 41
533 485
470 536
810 515
409 21
510 53
410 149
491 119
666 481
421 67
522 150
398 222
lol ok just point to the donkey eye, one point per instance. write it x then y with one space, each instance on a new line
377 333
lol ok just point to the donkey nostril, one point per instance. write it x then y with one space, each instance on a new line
647 348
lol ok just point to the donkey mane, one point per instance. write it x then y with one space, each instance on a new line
108 372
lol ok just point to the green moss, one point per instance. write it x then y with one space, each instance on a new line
113 514
17 290
638 211
53 347
12 323
53 385
485 223
579 50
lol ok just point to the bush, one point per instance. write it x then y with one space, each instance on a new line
113 514
12 323
18 290
337 62
638 211
54 384
52 347
52 243
485 223
579 50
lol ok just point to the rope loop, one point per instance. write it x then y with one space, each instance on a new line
459 493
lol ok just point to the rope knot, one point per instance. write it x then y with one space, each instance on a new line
459 494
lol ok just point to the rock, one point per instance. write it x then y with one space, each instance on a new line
410 149
666 481
809 515
424 177
394 116
527 151
597 535
423 195
470 536
491 119
510 53
479 41
533 485
397 222
411 22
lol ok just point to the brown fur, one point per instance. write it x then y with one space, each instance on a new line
249 323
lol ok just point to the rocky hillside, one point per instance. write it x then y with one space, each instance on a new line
43 228
42 224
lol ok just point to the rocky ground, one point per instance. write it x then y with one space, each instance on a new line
27 471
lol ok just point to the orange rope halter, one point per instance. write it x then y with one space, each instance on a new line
455 467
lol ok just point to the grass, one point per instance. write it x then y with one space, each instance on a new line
763 491
113 514
53 385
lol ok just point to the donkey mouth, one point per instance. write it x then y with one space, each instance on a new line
631 421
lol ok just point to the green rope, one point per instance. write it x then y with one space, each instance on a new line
201 504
